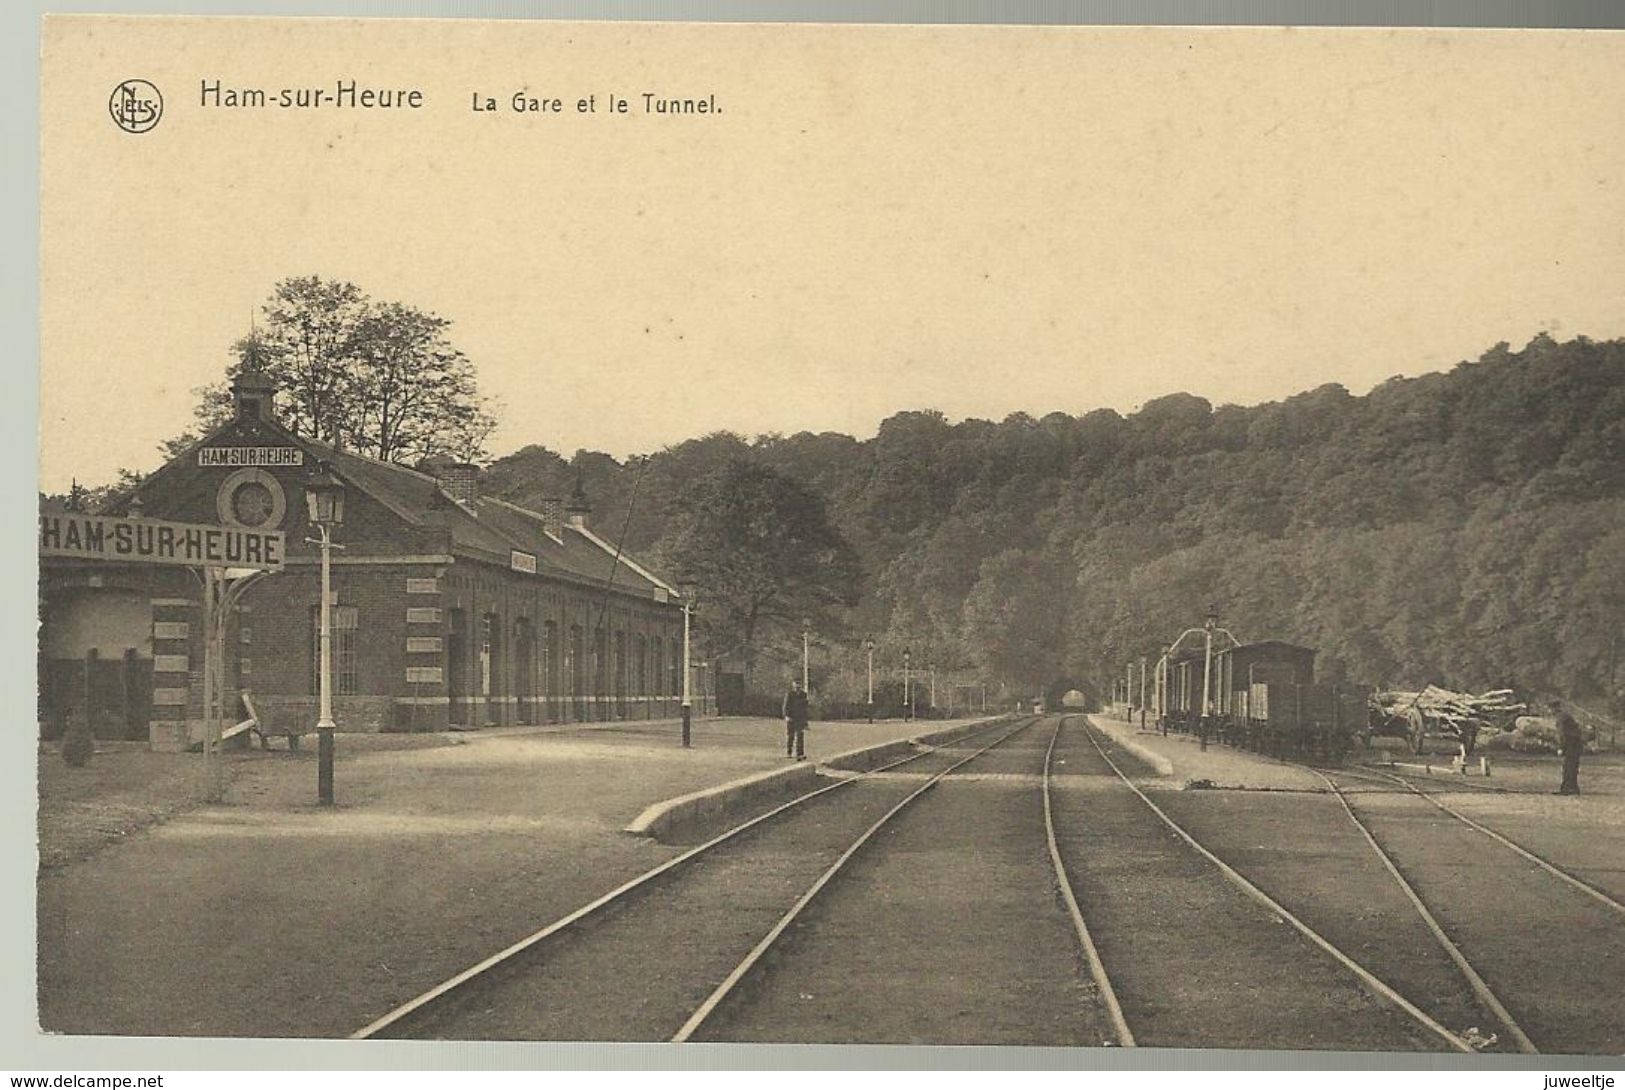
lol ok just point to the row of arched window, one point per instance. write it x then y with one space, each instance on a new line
602 675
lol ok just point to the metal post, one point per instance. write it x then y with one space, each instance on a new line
1142 692
217 721
908 690
805 687
324 723
1162 689
208 683
1207 676
688 712
869 646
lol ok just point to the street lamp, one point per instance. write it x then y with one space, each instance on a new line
1142 691
908 689
324 504
1207 672
1207 631
687 588
806 624
1162 689
869 648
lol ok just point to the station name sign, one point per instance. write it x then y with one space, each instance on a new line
519 561
250 456
154 541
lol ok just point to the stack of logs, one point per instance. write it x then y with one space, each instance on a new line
1444 711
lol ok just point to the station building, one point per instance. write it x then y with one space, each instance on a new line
450 608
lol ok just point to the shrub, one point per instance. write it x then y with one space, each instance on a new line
78 743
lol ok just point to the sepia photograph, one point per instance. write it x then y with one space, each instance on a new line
1102 538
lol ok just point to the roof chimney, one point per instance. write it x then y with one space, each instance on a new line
459 480
552 511
254 395
579 507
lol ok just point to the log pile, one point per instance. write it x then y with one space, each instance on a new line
1450 712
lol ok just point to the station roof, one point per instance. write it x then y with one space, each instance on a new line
490 528
484 528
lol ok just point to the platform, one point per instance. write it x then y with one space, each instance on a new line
442 849
1180 760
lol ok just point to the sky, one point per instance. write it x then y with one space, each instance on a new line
972 219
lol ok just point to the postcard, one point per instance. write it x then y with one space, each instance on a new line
1093 537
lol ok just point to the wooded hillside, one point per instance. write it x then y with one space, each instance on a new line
1464 528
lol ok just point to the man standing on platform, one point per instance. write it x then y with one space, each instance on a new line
1573 741
795 722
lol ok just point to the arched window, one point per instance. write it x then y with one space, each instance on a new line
490 668
600 674
549 658
457 665
622 675
524 669
640 672
578 672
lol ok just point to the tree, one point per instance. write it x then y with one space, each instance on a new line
763 553
412 392
382 379
1015 619
312 345
213 410
101 499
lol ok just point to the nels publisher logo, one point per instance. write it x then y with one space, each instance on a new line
136 105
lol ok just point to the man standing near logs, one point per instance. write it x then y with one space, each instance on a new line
1573 742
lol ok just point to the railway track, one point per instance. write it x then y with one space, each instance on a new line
1557 872
835 920
1250 947
1480 948
1481 989
958 925
1449 884
549 986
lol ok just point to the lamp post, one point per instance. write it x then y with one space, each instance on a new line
933 674
869 649
908 688
687 588
1142 691
1207 674
1162 690
806 624
324 504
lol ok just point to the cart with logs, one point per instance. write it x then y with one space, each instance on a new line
1437 713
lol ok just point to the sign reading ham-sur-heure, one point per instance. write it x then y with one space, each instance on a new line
155 541
236 457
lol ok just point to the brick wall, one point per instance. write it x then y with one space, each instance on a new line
421 625
298 714
542 687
